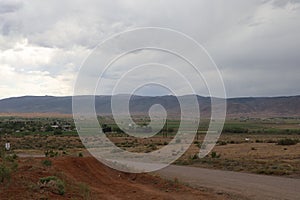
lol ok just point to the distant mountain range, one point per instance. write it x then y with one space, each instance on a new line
236 107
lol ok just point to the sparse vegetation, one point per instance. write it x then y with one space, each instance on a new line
5 173
47 163
85 191
8 165
222 143
287 142
152 147
54 184
51 153
215 155
261 135
194 157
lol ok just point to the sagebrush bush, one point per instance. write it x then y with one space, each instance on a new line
222 143
194 157
55 184
47 163
8 165
51 154
215 155
287 142
5 173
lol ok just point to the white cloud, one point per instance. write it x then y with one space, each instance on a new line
26 69
33 82
23 54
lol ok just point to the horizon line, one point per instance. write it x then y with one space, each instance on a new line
237 97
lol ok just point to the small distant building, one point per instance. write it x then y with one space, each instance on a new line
54 126
67 127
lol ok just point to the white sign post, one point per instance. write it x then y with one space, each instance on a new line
7 146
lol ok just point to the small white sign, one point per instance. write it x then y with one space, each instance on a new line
7 146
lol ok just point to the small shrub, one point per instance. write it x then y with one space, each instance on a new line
222 143
183 162
54 184
85 191
2 153
80 155
58 132
5 173
51 154
287 142
7 166
47 163
152 147
270 141
48 179
14 156
194 157
10 158
215 155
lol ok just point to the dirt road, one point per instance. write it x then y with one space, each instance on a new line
250 186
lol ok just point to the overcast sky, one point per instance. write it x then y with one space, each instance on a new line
255 43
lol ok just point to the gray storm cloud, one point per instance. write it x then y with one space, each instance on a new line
255 43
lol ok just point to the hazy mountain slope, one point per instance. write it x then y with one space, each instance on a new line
252 107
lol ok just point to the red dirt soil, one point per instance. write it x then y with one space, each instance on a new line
101 181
